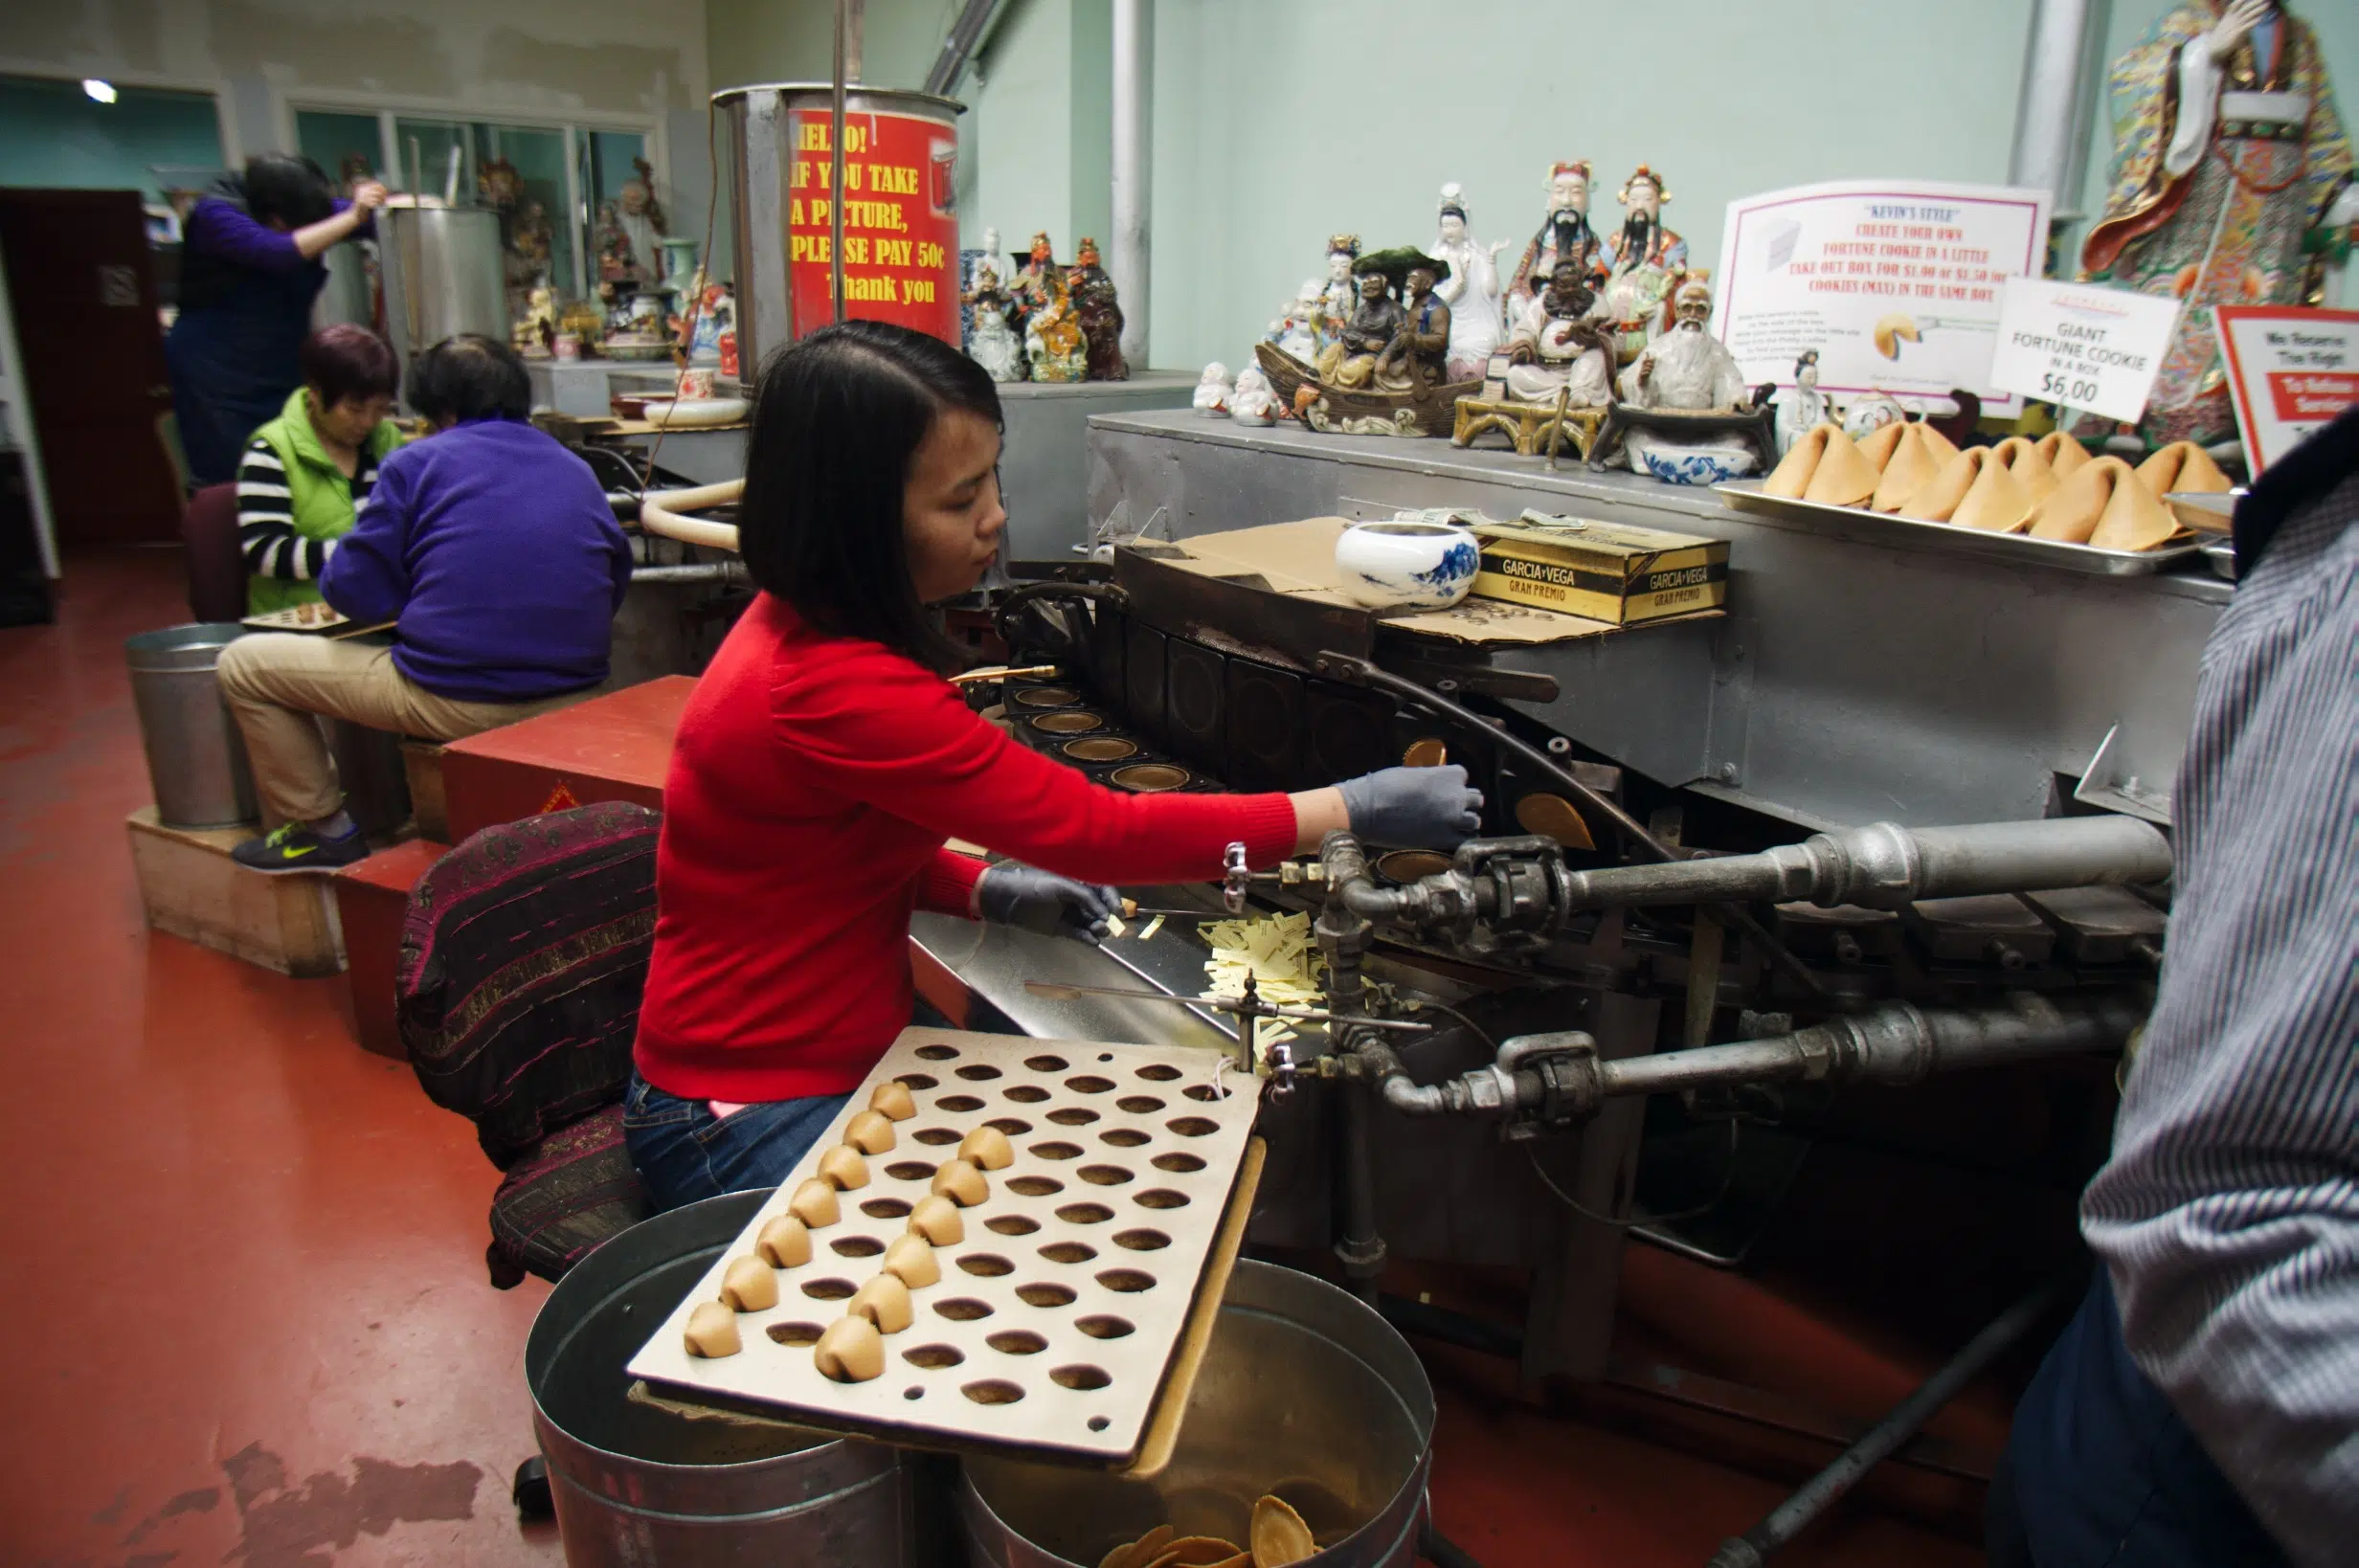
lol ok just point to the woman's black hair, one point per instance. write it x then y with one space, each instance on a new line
294 191
470 377
348 361
837 419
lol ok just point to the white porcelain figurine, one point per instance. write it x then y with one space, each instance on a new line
1255 401
1803 406
1212 390
1471 290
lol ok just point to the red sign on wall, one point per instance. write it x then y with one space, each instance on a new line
900 232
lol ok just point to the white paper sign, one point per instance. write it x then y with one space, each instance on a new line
2081 346
2290 370
1895 282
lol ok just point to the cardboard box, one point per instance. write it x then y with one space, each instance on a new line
1614 572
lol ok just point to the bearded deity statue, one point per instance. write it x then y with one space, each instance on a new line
1565 235
2228 160
1643 263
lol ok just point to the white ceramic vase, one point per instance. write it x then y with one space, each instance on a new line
1426 565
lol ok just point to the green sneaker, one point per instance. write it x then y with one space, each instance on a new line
295 848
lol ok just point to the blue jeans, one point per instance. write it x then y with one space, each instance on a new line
682 1152
2101 1470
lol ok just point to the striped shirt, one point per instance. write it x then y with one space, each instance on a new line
2229 1214
266 518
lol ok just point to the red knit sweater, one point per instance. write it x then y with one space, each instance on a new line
812 787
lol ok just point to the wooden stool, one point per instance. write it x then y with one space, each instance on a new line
190 887
1525 425
371 898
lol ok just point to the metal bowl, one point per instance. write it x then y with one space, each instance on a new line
1150 777
1044 697
1101 748
1068 720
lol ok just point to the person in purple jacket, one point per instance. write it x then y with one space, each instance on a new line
493 552
250 268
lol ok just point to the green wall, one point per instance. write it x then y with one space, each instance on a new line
55 135
1279 124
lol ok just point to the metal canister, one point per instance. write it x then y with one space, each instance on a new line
1305 1393
900 216
196 759
442 276
637 1485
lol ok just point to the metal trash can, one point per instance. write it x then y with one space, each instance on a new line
196 759
1305 1392
636 1485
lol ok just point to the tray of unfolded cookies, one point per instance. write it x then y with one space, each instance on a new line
999 1242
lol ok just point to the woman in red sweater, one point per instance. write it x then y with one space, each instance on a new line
825 760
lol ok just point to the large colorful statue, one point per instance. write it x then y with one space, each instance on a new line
1099 312
1565 235
1036 282
1418 356
2227 155
1642 261
1555 350
1687 370
991 342
1341 299
1350 361
1471 288
1052 336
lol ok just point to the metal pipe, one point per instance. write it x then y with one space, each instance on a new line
835 178
958 45
2048 131
663 516
1886 866
693 572
1127 257
1789 1518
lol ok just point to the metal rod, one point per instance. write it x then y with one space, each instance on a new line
1129 256
834 187
1812 1498
958 45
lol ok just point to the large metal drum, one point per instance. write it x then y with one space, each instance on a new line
442 276
1305 1392
196 758
900 219
637 1487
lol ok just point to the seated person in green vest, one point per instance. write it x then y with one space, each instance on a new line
493 551
303 473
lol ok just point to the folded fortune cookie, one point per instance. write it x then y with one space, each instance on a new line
1973 490
2105 505
1824 466
2064 455
2023 460
1911 465
1878 445
1792 474
2182 465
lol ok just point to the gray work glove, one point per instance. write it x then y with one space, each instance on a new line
1413 808
1025 896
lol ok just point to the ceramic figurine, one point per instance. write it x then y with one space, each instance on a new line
2228 155
1099 313
1565 235
991 342
970 265
1211 397
716 319
643 219
1687 370
1350 360
1803 406
1052 336
536 334
1253 402
1340 296
1418 355
1643 263
612 245
1302 330
1870 412
1556 349
1470 290
1036 282
1384 370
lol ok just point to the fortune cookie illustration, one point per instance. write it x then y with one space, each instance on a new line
936 1219
844 1169
1893 331
814 1204
851 1352
784 1242
892 1100
884 1301
2063 452
2182 465
911 1258
1279 1535
713 1331
871 1133
961 1183
748 1285
988 1148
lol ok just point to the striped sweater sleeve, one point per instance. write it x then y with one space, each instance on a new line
266 520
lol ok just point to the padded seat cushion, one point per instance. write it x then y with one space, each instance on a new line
523 953
557 1202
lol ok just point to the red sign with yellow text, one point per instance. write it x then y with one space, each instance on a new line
900 231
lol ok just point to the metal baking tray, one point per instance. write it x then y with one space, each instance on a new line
1746 497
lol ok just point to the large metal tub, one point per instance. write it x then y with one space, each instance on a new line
196 759
1305 1392
443 275
637 1487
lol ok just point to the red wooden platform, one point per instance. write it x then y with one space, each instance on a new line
616 747
370 901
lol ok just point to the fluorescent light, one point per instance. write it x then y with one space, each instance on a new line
103 91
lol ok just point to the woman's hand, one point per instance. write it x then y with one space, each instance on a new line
1413 808
1015 894
368 195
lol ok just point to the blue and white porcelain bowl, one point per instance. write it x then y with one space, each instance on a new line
1696 464
1423 566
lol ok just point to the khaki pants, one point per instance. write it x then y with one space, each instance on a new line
274 681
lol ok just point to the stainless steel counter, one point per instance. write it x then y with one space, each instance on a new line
1853 679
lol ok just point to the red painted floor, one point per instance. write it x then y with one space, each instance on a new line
246 1305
